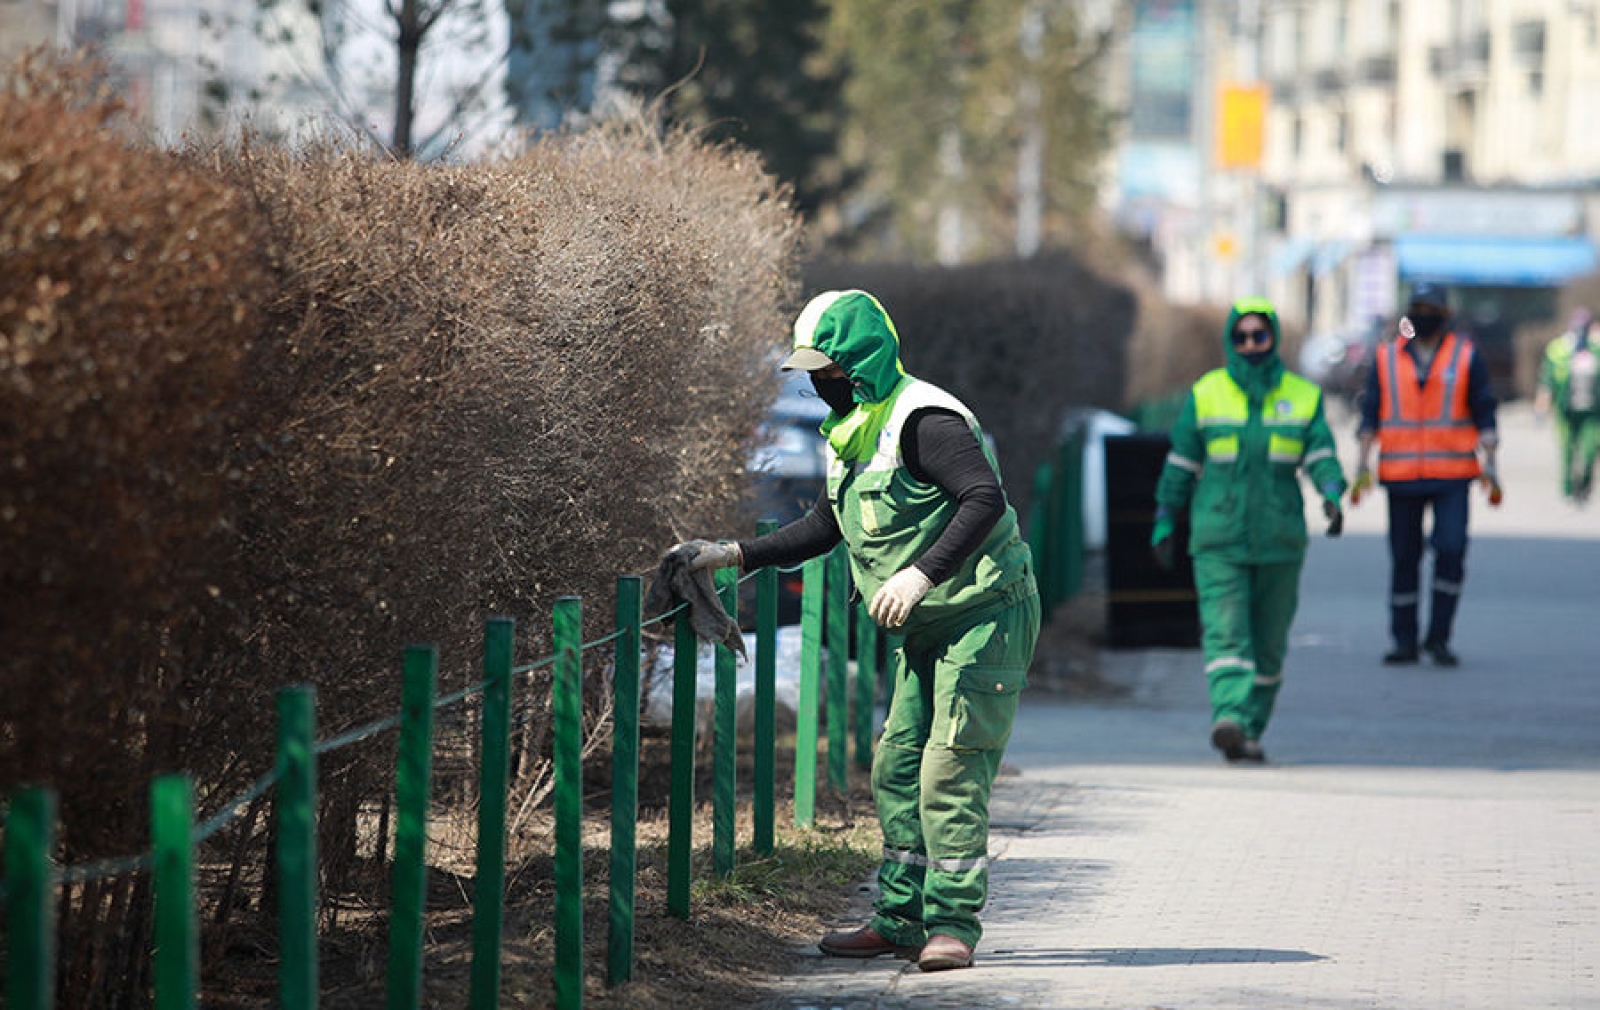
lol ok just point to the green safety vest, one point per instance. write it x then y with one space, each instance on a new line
889 519
1238 501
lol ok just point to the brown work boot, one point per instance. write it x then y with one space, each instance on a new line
942 953
863 942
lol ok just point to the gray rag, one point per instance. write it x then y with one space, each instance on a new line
675 582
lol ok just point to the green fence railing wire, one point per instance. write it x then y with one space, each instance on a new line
32 881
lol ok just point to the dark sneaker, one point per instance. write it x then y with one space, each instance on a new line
863 942
943 953
1227 736
1401 656
1441 655
1251 753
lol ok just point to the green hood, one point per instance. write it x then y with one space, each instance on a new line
1259 379
851 328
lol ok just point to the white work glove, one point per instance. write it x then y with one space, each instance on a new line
893 603
709 555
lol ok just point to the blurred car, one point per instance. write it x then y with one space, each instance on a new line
790 471
790 464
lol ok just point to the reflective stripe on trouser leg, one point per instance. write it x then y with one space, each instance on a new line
896 791
1224 591
974 677
1275 594
1405 558
1449 543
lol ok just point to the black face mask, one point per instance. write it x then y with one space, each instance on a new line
1427 324
1256 357
838 393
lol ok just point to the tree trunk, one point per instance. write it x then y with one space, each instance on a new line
407 44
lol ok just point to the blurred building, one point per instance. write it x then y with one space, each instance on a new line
24 25
1329 152
185 67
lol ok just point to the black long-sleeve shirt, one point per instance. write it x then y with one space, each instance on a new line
940 449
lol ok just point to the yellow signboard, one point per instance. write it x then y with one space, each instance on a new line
1241 121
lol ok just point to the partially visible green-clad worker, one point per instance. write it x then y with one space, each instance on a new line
1245 434
1569 381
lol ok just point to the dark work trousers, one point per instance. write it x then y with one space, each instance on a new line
1449 542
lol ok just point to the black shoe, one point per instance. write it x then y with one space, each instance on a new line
1441 655
1401 656
1252 754
1227 736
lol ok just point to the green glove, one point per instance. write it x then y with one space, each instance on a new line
1161 542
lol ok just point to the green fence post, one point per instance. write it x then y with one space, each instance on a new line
866 684
568 753
1072 515
32 890
1039 521
838 632
296 812
413 778
724 736
764 810
488 890
624 781
680 802
814 575
177 943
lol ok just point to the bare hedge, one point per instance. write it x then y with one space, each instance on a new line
269 416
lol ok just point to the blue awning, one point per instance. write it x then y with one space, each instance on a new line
1494 262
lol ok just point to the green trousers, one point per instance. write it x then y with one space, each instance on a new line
1579 435
955 698
1245 614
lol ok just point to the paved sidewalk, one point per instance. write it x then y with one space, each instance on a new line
1425 839
1203 886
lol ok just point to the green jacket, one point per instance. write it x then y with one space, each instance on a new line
1556 371
1237 450
888 518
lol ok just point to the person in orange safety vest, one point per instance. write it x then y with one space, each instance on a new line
1429 410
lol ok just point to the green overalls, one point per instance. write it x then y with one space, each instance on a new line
1577 414
967 648
1237 450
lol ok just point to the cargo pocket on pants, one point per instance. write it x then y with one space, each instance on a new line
985 706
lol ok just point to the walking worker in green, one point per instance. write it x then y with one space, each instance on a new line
915 495
1237 451
1569 380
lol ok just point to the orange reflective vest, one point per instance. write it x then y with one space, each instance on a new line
1425 430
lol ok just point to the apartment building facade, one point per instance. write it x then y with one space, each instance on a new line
1456 141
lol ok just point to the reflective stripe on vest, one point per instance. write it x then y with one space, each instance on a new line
1222 409
1425 431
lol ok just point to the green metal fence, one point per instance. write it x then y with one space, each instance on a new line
32 880
1055 524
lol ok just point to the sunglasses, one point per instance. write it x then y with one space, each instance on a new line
1251 335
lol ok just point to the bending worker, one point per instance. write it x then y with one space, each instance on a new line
1430 411
1237 450
916 497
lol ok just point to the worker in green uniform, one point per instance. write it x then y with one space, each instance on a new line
914 493
1569 381
1245 434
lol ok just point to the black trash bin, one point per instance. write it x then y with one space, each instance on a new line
1148 605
